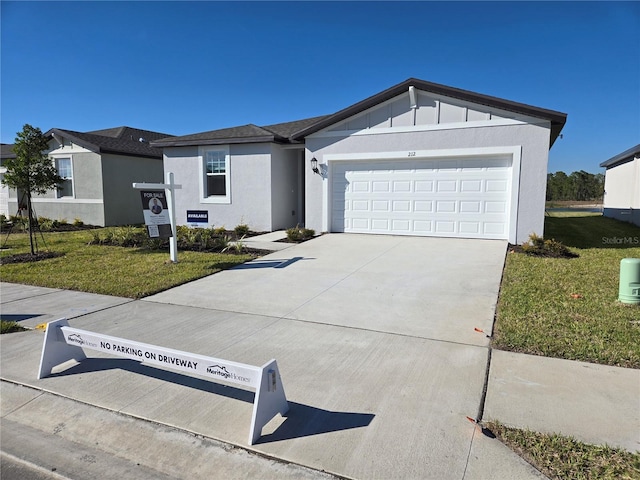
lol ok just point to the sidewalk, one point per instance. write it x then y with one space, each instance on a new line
268 241
390 406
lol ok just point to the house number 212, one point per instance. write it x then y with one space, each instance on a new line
412 154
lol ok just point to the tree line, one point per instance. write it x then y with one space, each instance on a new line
579 186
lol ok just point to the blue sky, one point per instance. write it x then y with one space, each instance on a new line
187 67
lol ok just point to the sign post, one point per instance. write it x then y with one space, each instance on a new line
161 223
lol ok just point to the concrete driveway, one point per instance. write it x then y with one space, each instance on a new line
375 338
435 288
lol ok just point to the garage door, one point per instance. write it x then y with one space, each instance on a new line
462 197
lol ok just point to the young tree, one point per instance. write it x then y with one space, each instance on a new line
32 171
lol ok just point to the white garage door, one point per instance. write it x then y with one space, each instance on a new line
462 197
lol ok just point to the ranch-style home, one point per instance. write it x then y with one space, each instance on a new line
622 186
416 159
99 168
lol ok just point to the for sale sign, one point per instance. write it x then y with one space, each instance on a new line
156 213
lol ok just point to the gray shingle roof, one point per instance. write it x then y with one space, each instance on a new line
279 133
623 157
287 129
243 134
6 151
118 140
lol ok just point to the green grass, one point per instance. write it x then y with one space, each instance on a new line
538 312
10 327
126 272
560 457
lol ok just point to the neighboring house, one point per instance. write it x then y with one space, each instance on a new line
99 168
622 186
416 159
5 152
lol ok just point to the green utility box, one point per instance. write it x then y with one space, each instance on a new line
629 280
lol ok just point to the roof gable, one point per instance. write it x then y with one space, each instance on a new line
556 119
424 109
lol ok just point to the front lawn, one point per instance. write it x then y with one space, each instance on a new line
568 308
563 457
110 270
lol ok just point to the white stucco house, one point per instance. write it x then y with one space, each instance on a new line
99 168
416 159
622 186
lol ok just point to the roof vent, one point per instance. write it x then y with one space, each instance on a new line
141 140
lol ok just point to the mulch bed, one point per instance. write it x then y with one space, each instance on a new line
27 257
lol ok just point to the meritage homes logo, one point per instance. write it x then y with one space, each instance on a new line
222 372
76 338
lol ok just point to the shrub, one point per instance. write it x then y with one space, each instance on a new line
223 243
78 222
207 237
155 243
19 222
95 238
540 247
108 237
299 234
220 230
45 224
241 230
128 236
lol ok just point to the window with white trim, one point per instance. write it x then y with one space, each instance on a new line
215 175
65 188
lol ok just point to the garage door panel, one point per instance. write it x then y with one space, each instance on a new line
402 186
360 186
424 186
424 206
445 206
443 226
471 186
401 206
447 186
360 205
462 197
381 186
470 227
380 206
496 186
380 224
423 227
470 207
497 228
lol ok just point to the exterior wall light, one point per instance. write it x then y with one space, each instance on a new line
314 165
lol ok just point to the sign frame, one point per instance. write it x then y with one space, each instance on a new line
170 187
63 343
